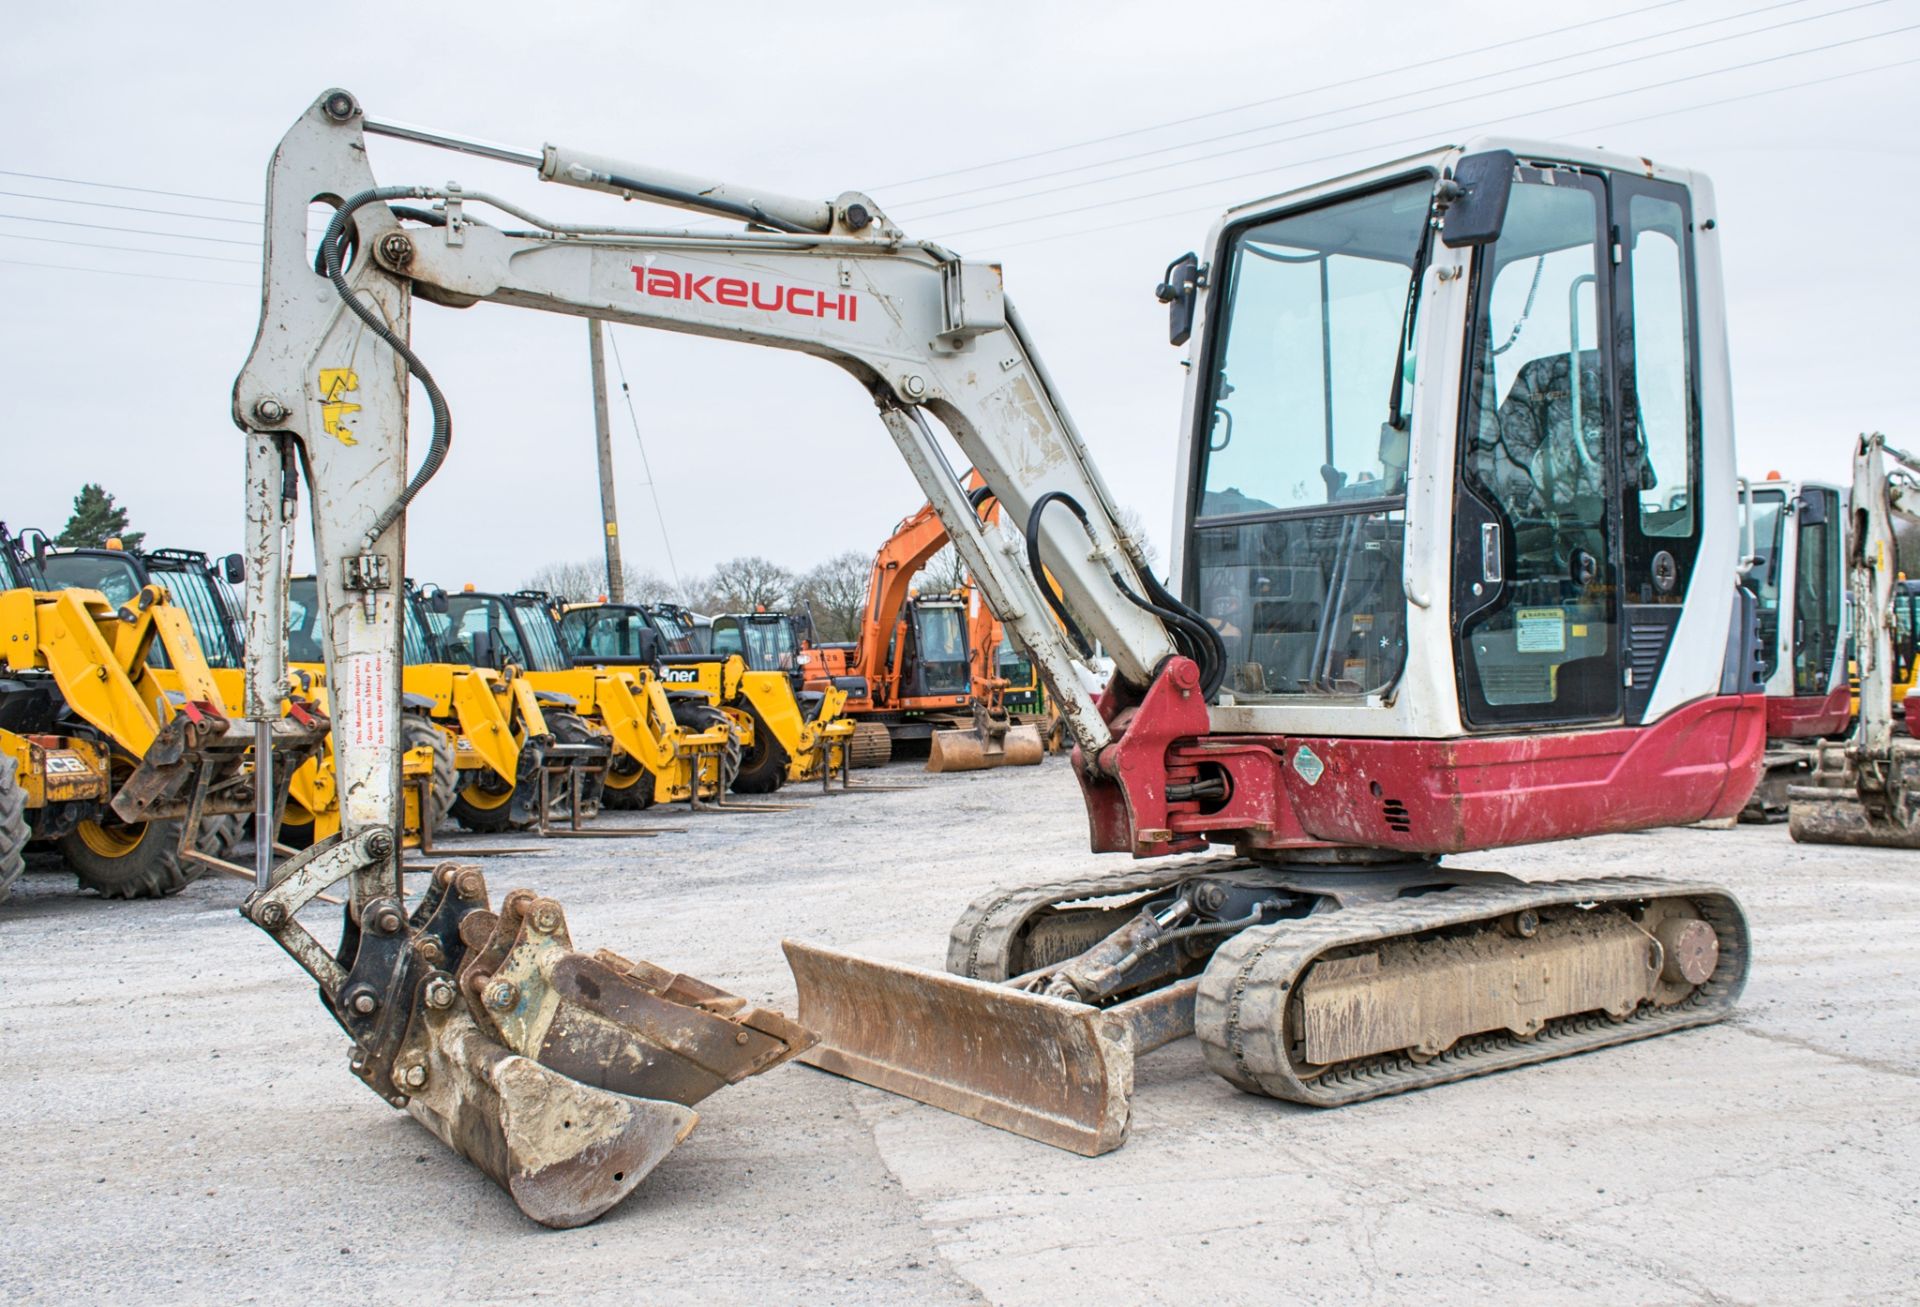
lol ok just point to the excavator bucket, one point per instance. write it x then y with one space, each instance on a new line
1849 799
565 1076
1047 1068
992 741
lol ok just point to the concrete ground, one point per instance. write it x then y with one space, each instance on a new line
183 1127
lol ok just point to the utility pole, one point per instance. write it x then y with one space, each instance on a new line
609 515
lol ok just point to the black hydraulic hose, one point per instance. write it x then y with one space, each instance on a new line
1190 632
331 244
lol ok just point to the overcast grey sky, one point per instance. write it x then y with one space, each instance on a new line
122 376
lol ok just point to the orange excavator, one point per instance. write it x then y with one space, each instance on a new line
914 672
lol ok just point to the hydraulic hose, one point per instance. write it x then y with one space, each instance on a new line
1192 635
331 245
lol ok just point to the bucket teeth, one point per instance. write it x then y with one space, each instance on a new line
567 1076
608 1021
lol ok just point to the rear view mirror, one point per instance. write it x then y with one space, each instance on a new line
1179 291
234 568
1476 199
1811 509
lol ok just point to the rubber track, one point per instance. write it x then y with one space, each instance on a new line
1256 971
982 942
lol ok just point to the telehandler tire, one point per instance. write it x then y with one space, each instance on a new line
704 717
572 728
763 764
445 785
629 785
483 810
13 830
118 860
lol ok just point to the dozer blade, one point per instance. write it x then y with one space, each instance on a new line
1836 807
974 750
1052 1070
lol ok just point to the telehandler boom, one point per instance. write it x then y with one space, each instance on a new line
1457 564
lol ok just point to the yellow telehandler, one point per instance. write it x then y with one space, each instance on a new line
115 757
787 734
663 749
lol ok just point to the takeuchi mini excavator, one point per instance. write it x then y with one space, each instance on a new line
1456 568
1793 547
1865 789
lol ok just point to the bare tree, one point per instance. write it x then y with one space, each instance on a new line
946 570
742 585
584 582
1135 528
835 593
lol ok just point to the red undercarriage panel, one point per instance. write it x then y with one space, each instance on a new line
1414 796
1809 716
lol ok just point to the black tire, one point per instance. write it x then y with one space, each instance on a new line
120 861
571 728
483 820
632 789
13 828
445 787
763 764
704 717
221 835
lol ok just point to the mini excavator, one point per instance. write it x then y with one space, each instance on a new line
1456 569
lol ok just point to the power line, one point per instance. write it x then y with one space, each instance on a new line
115 186
1567 104
109 272
131 231
1290 95
127 249
1326 113
1397 113
131 208
1083 232
645 463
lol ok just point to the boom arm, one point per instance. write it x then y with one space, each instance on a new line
1878 496
922 330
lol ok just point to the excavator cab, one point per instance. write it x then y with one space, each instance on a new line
1792 533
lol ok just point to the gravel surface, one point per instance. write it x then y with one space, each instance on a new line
183 1127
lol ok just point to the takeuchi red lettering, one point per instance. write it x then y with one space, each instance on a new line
738 293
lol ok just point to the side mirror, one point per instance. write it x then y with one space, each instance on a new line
437 601
1179 290
1474 200
1811 509
234 568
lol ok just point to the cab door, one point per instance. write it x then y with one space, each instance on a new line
1536 576
1658 389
